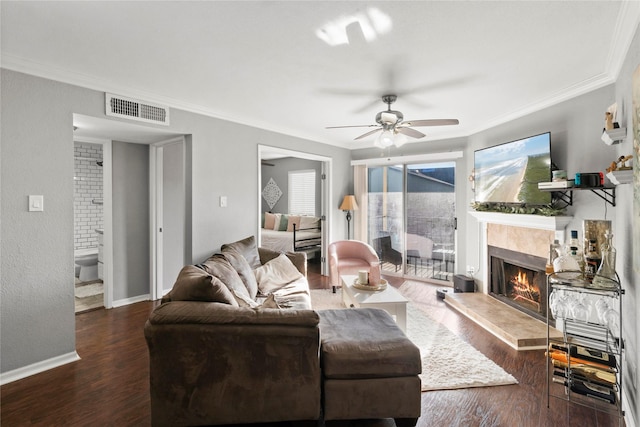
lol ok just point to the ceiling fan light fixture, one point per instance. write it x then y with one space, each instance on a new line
386 139
399 139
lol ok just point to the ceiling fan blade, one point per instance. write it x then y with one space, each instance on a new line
410 132
364 135
350 126
430 122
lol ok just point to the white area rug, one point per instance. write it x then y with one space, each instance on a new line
448 362
85 291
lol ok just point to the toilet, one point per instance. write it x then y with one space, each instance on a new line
86 264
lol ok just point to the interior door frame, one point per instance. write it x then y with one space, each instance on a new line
327 172
107 214
156 220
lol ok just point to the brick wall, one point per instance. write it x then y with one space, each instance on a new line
87 191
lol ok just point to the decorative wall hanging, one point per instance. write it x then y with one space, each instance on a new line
271 193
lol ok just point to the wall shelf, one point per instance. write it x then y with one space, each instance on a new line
608 194
618 177
614 136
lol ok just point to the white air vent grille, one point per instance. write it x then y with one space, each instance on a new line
120 106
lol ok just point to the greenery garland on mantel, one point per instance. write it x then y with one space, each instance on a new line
548 210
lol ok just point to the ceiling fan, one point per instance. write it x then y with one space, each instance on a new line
394 129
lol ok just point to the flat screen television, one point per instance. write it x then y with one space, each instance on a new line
509 173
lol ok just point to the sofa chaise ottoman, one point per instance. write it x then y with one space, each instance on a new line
369 367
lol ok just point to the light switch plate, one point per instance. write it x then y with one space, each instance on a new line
223 201
36 203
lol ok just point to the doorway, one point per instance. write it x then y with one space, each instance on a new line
273 175
126 205
168 213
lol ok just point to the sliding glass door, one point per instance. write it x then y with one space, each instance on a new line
411 218
385 212
430 220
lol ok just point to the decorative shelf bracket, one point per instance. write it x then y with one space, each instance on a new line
608 194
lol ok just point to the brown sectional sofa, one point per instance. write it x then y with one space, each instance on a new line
220 353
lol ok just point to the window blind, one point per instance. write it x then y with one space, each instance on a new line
302 192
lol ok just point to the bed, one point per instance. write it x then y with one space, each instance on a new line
301 233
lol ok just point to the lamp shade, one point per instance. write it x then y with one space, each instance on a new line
349 203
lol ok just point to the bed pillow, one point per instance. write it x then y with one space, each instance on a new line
275 274
293 219
269 220
309 222
284 222
243 268
248 248
195 284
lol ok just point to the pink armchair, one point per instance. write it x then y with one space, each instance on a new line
349 257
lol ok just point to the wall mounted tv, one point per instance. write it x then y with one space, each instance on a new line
509 173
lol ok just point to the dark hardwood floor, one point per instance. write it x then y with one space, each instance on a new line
109 386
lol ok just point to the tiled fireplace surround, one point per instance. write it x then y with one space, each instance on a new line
529 234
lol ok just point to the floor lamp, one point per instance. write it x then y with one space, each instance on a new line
349 204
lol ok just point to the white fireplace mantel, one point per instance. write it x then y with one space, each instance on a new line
557 224
554 223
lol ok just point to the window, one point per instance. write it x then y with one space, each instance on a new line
302 192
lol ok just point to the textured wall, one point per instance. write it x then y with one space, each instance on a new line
36 157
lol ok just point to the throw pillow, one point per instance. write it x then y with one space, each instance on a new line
293 219
269 302
244 301
284 221
269 220
219 267
243 268
309 222
275 274
276 223
195 284
248 248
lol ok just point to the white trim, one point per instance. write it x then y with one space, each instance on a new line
132 300
38 367
553 223
107 213
156 165
107 219
327 192
431 157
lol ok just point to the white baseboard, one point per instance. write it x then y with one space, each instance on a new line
132 300
36 368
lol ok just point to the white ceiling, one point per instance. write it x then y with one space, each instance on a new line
260 63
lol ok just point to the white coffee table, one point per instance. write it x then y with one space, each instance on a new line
388 299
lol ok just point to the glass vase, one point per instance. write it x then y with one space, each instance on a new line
605 277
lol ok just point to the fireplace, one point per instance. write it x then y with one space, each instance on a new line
519 280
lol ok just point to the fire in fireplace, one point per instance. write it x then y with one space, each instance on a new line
518 280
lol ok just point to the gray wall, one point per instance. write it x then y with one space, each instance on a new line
36 157
575 126
280 174
131 260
